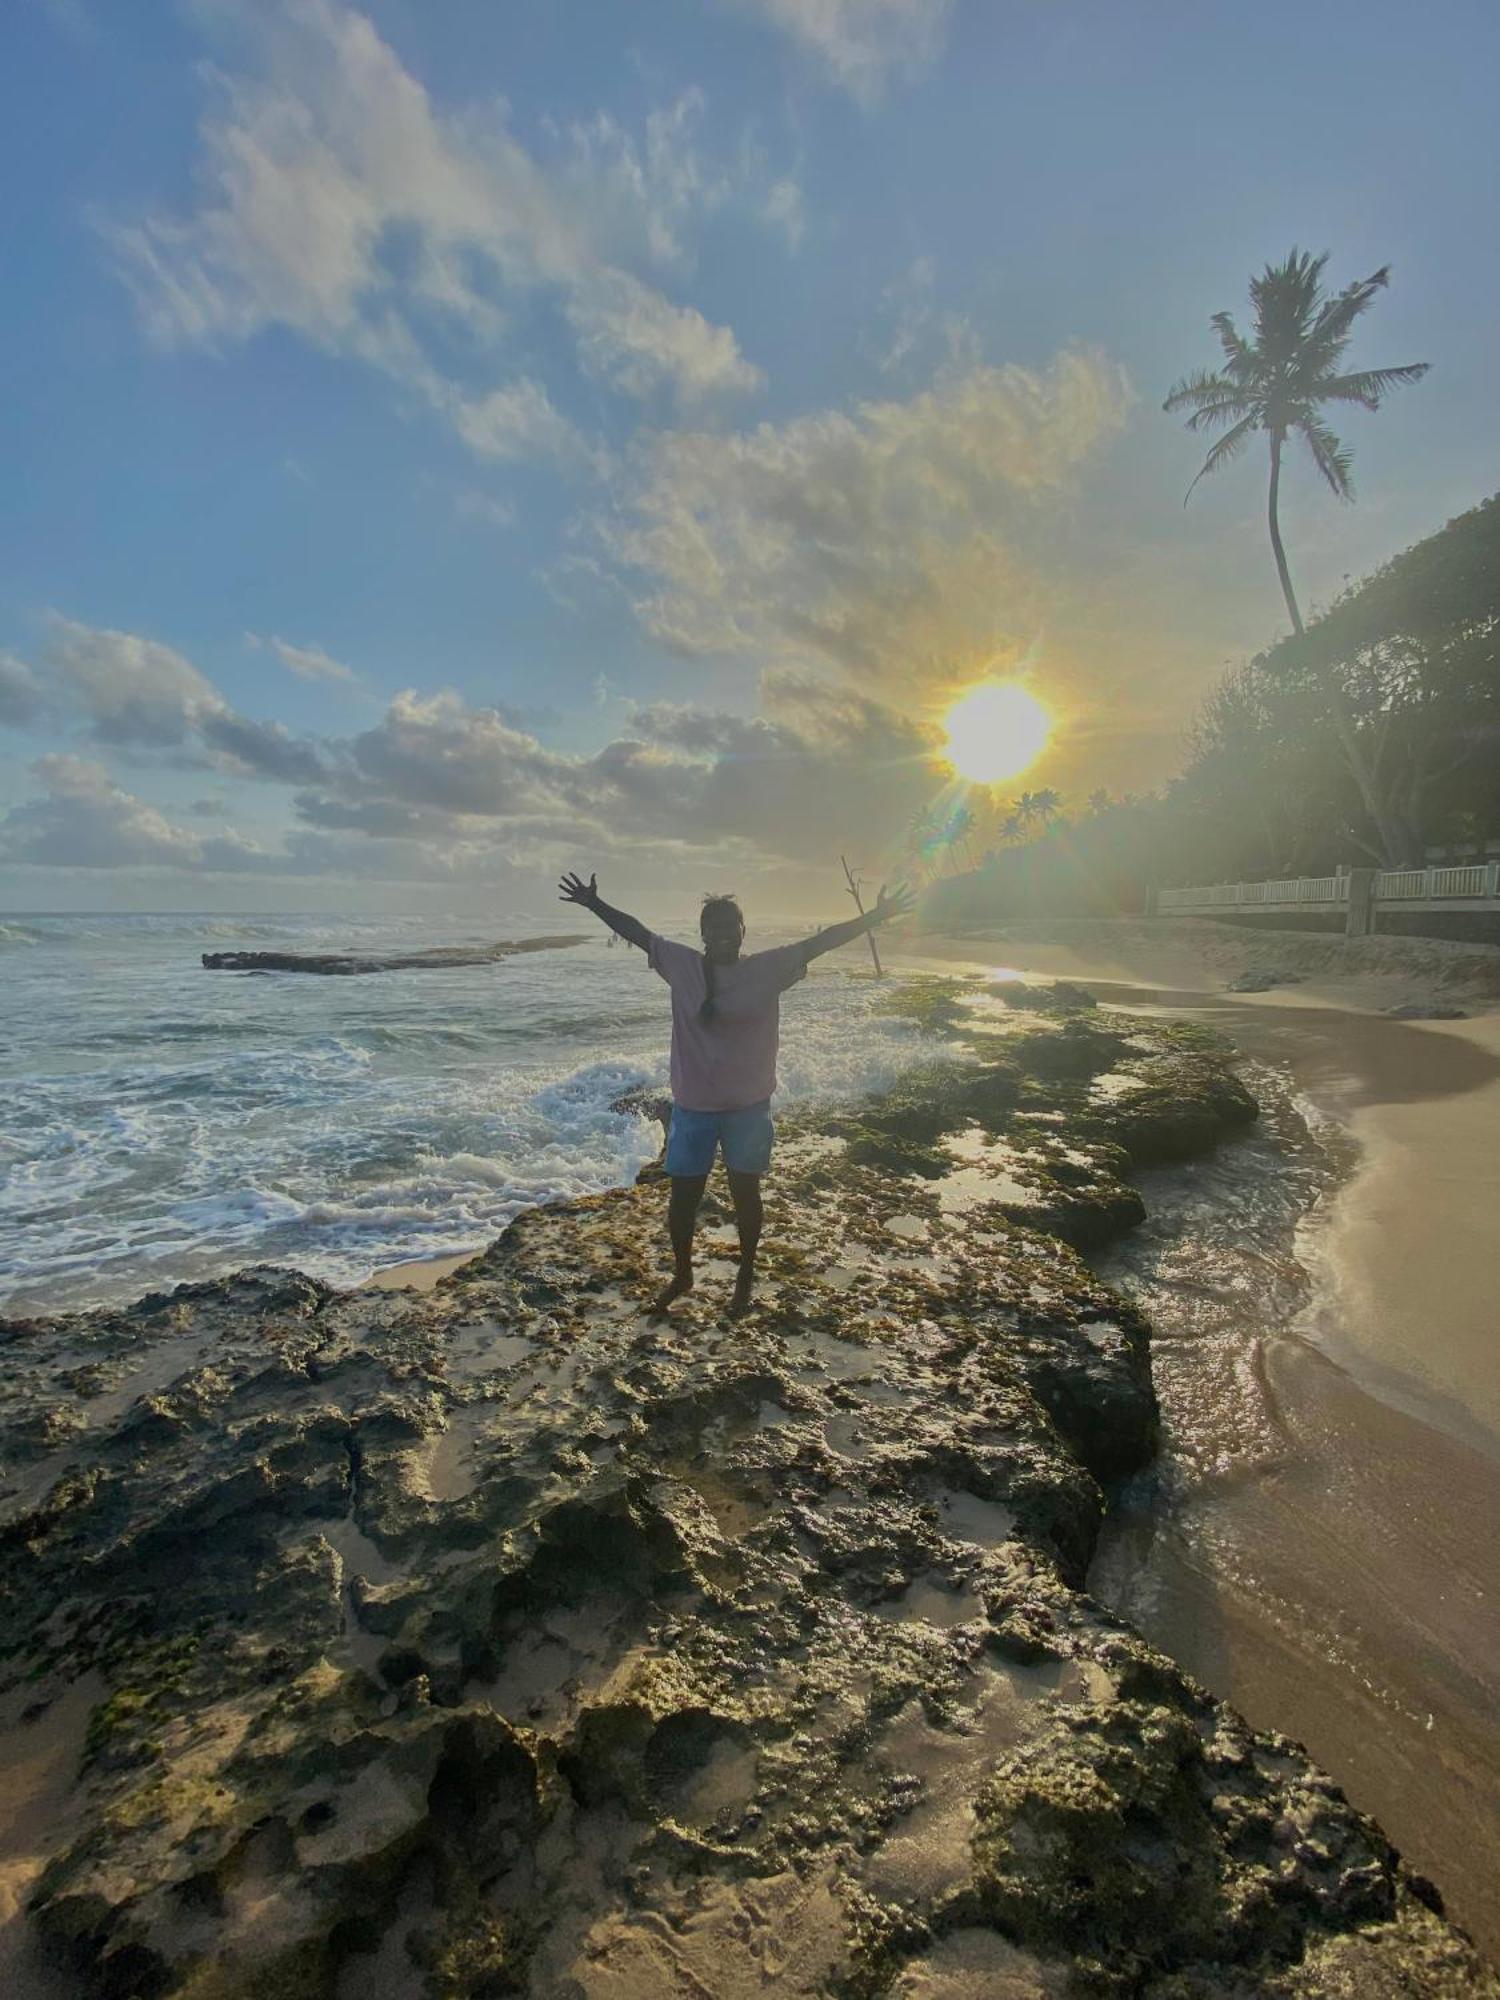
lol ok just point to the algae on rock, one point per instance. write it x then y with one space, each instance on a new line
507 1640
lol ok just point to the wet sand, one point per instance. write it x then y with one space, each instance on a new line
1319 1544
418 1274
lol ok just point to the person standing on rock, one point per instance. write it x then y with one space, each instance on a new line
726 1017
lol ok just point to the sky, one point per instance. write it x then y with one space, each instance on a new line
443 442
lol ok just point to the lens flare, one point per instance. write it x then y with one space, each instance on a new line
995 731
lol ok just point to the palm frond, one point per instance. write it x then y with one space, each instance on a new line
1237 350
1332 326
1229 446
1369 385
1213 398
1193 388
1331 458
1284 299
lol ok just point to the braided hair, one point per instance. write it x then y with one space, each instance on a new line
711 905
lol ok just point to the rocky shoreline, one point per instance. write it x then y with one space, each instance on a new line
503 1640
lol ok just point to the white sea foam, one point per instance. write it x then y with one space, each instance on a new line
166 1123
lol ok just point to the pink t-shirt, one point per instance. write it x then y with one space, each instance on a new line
728 1061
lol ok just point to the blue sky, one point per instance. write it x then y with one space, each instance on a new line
443 443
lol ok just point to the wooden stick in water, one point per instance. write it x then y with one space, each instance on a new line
859 905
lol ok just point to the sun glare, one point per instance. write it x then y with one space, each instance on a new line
995 731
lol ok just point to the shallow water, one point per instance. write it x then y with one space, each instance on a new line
1325 1559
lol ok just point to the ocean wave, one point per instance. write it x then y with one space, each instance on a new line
156 1134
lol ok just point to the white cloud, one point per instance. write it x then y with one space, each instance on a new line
648 196
338 200
310 663
630 335
471 505
439 790
436 751
860 44
902 539
137 692
133 690
784 209
21 698
260 749
85 820
519 421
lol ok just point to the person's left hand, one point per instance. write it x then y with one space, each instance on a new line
894 903
573 889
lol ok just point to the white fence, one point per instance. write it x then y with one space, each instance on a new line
1474 885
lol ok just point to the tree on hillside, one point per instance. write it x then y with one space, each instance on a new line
1044 806
1279 381
1263 792
1412 657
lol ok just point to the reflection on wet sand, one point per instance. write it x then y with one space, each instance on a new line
1316 1542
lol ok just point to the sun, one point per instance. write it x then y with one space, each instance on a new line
995 731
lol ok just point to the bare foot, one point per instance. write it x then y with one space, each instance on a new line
744 1287
682 1282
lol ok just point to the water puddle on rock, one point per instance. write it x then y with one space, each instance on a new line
735 1509
562 1661
1116 1083
910 1228
849 1435
485 1347
721 1787
966 1518
446 1467
974 1964
986 1173
359 1557
932 1600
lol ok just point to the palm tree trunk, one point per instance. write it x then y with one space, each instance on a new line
1386 825
1276 549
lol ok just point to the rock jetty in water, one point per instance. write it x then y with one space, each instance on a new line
502 1640
342 963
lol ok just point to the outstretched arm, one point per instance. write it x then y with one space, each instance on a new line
896 904
573 889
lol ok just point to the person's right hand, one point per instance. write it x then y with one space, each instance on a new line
896 902
573 889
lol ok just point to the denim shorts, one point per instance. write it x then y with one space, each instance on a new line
695 1136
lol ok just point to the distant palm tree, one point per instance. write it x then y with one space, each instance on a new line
1279 380
960 831
1098 802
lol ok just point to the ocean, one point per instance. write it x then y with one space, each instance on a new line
163 1122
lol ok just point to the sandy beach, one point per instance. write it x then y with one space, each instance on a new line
1337 1574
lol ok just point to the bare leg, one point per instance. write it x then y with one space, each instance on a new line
744 1189
682 1220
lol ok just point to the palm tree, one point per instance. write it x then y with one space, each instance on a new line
1279 380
